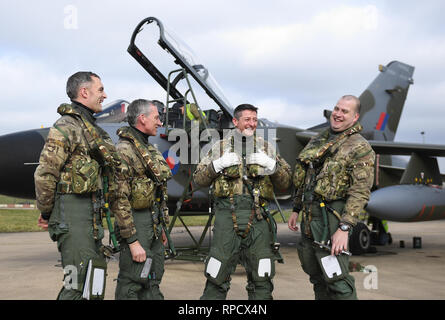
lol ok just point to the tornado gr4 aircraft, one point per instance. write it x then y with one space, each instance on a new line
402 191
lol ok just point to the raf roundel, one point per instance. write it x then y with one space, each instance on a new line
172 161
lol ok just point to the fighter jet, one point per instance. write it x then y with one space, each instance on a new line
402 191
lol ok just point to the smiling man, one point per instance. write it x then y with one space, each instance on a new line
243 170
333 177
77 157
142 205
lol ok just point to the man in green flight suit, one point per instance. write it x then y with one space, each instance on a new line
333 179
76 161
242 170
144 187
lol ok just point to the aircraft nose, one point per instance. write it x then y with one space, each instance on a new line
19 157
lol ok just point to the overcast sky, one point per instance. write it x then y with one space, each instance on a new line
292 59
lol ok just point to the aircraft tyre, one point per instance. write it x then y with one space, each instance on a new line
360 239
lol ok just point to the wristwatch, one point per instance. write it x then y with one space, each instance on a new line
344 227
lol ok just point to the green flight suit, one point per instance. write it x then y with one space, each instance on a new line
336 169
337 288
130 285
71 225
68 179
239 235
138 192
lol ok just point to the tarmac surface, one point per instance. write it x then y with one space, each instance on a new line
30 268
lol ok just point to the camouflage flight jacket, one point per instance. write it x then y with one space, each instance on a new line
68 164
344 170
229 181
135 188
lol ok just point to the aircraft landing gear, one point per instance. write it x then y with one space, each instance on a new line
379 234
360 240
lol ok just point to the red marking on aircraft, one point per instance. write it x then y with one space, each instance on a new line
171 162
421 213
431 212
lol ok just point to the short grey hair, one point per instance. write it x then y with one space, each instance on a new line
138 107
77 80
349 97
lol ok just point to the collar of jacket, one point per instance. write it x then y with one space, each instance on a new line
357 127
320 144
129 132
84 111
139 135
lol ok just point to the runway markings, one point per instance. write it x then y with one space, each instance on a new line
17 206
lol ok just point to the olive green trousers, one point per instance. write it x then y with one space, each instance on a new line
338 287
254 252
71 225
130 285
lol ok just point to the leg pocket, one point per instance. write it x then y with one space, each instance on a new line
218 270
58 224
308 259
334 268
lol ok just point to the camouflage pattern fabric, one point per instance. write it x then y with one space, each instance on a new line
239 237
146 174
344 170
145 171
76 156
153 159
100 143
229 181
73 158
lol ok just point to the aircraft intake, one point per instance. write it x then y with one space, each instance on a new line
19 158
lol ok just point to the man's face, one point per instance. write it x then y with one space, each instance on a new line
94 95
247 122
149 124
344 115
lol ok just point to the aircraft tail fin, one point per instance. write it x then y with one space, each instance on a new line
383 101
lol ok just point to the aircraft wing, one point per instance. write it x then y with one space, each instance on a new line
403 148
304 136
394 148
398 172
422 164
390 147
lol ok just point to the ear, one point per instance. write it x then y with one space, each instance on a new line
83 92
235 121
357 115
142 119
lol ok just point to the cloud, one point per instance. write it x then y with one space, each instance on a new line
295 115
28 90
291 58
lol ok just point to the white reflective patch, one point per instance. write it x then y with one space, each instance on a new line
146 269
98 282
264 266
331 266
213 267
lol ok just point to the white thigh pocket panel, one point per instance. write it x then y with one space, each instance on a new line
213 267
264 267
331 266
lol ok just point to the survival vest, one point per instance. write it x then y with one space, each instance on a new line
323 170
82 172
152 187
